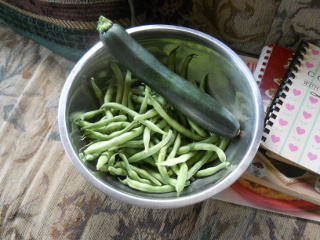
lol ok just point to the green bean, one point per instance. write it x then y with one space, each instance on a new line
97 91
130 103
133 113
212 170
141 172
117 171
192 171
150 161
147 187
201 132
162 169
209 147
104 121
130 143
92 156
173 123
110 91
152 150
131 173
118 74
126 89
174 150
172 138
204 146
223 145
146 139
109 96
154 139
105 145
182 158
152 126
153 173
128 151
186 148
112 160
149 114
203 82
172 58
161 157
101 136
176 146
103 159
181 118
104 168
91 114
138 92
75 116
184 68
139 100
162 124
196 158
111 127
144 104
182 178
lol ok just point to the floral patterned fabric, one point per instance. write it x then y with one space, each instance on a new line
68 27
244 25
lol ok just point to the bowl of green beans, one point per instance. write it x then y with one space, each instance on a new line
127 141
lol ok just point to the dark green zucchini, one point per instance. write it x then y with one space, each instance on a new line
181 94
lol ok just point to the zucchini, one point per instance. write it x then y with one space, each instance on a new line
197 105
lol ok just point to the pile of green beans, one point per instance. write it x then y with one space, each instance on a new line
138 137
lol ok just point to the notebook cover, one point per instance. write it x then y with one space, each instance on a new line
293 122
272 65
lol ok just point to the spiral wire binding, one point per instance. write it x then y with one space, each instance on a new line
284 87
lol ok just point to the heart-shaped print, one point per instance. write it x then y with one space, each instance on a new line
293 147
300 130
313 100
275 139
307 115
296 92
317 138
312 156
315 52
289 106
283 122
309 65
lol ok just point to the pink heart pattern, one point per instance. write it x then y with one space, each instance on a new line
307 115
317 138
289 106
293 147
275 139
300 130
312 156
296 92
313 100
309 65
283 122
315 52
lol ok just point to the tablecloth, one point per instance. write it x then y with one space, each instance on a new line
42 196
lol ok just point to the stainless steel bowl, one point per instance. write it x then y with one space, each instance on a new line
230 82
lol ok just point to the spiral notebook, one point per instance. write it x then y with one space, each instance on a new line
271 67
292 126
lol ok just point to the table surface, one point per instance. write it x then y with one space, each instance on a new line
42 196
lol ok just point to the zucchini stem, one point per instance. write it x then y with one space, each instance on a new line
104 24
